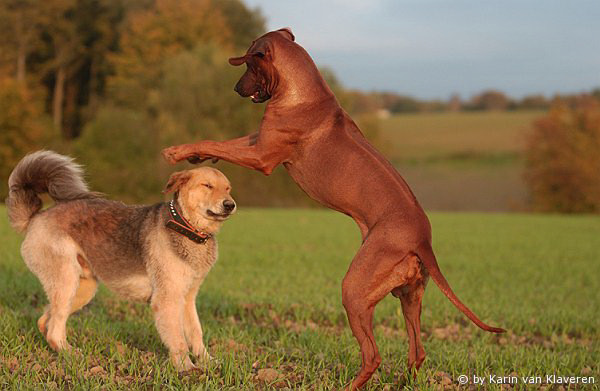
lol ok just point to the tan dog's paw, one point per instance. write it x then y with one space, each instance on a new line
42 324
183 364
206 359
60 346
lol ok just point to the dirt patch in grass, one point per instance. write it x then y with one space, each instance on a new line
265 315
459 332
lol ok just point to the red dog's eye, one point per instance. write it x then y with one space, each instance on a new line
208 185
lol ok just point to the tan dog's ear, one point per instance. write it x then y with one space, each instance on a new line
288 33
176 180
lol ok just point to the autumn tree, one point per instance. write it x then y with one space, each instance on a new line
152 35
563 159
170 83
67 49
79 37
245 24
63 46
23 126
19 32
122 79
489 100
535 102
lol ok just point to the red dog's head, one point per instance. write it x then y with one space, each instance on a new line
260 79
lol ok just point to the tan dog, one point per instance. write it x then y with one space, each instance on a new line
145 253
305 129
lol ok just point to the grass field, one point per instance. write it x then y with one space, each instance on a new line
273 301
475 157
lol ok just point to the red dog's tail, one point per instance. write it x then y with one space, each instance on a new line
425 253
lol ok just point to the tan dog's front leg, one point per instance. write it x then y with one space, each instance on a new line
168 308
193 328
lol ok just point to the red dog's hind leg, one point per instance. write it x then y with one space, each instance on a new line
376 270
411 297
360 316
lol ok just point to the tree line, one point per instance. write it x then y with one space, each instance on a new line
394 103
112 82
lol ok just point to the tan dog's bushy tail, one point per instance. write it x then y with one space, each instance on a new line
42 172
425 254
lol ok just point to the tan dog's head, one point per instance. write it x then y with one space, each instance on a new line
203 194
261 77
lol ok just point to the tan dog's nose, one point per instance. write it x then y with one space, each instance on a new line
228 205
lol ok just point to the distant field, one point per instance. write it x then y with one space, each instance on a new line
446 135
273 301
461 161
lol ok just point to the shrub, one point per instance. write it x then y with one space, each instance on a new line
563 158
121 151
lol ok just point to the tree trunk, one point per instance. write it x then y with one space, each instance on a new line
21 50
58 98
21 62
94 84
70 109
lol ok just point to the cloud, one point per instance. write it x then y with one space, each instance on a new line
448 45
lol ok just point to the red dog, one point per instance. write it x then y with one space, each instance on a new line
305 129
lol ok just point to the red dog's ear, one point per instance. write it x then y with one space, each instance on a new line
236 61
176 181
288 33
260 48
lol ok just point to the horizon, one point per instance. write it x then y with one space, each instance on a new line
434 49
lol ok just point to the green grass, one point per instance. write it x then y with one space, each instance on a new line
273 301
475 157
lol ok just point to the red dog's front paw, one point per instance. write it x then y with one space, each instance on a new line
196 159
185 152
172 155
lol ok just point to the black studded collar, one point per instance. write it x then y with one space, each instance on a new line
179 224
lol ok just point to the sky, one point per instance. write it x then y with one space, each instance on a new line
436 48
